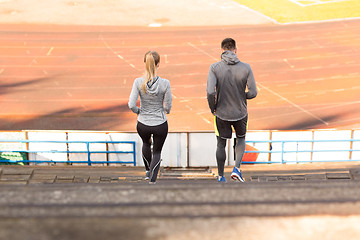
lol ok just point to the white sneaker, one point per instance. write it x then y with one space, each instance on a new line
147 175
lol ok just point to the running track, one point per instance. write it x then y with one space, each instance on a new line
79 78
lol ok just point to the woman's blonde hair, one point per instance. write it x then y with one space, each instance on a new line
151 60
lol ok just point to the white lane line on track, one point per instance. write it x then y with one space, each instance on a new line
347 121
320 79
293 104
49 52
115 53
287 62
339 90
166 58
258 13
202 51
317 109
155 25
188 107
203 112
207 121
263 102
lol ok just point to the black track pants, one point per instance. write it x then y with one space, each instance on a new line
152 159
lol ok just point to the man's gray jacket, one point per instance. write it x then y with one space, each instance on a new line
226 87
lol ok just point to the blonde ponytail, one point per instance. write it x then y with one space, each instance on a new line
151 60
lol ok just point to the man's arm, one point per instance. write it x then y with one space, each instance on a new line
251 85
211 90
168 99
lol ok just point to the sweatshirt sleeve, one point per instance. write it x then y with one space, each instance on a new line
252 90
210 89
168 99
133 99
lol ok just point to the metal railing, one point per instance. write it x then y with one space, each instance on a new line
88 152
270 151
282 150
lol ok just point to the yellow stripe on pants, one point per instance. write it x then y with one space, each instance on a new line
216 129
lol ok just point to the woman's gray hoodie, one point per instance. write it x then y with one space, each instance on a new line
154 104
226 87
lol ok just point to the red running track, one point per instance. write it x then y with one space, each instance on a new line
79 78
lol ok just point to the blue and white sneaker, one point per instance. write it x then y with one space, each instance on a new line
221 179
236 175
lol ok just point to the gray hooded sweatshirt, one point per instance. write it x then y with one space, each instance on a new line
226 87
154 104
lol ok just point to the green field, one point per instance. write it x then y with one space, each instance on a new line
286 11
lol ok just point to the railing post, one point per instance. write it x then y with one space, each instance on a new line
282 152
351 144
270 145
67 148
187 149
27 147
297 152
134 153
107 154
312 145
88 152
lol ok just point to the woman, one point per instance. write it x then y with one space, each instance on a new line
155 103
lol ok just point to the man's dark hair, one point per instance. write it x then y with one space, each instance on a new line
228 44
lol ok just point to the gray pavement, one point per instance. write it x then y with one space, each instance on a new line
300 201
37 174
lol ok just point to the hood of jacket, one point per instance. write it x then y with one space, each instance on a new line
229 58
152 87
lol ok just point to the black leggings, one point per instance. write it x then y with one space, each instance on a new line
159 134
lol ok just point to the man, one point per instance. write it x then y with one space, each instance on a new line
227 97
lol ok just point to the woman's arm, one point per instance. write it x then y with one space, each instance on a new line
133 99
